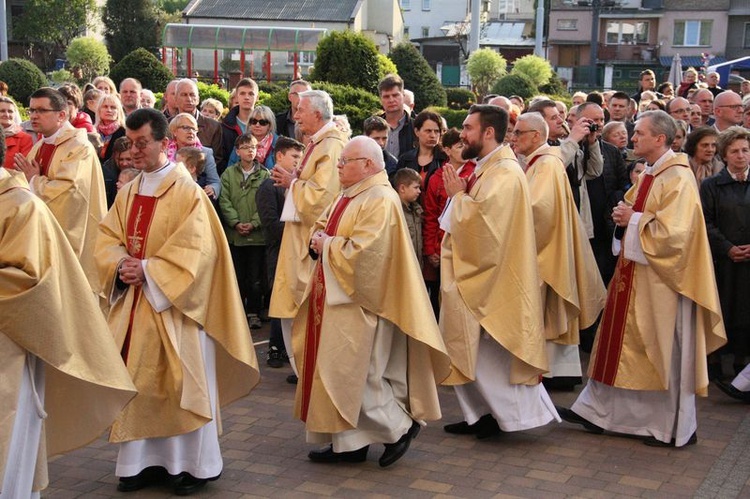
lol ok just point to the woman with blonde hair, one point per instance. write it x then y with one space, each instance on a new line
184 131
106 85
262 126
16 140
110 122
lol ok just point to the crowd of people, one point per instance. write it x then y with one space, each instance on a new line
485 258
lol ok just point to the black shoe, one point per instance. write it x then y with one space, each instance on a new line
394 452
652 442
328 456
185 484
571 417
732 391
148 476
487 427
275 358
462 428
561 383
292 379
715 372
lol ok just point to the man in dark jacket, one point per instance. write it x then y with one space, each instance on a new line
285 120
209 131
401 138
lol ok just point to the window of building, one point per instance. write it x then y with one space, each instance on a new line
426 4
425 32
746 43
304 58
406 4
692 33
567 24
627 32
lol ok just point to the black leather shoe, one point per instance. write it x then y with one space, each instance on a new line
652 442
148 476
732 391
186 484
328 456
462 428
487 427
394 452
292 379
571 417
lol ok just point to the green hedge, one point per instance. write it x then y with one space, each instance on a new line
23 78
460 98
454 117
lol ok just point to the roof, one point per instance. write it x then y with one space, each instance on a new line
276 10
695 61
495 33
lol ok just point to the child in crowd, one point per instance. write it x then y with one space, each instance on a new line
408 184
126 176
270 202
193 159
239 184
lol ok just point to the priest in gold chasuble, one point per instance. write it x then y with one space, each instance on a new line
176 315
367 346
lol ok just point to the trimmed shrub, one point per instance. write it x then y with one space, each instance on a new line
485 67
22 77
555 86
418 76
89 55
454 117
349 58
212 91
536 68
460 98
515 84
145 67
270 88
62 76
385 67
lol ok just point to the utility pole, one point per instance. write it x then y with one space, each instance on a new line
596 6
3 32
538 51
476 6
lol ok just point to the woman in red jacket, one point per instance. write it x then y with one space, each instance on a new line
16 140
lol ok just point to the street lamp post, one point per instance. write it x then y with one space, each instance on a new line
596 6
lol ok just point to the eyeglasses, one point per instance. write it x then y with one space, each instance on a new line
247 148
253 121
343 160
139 144
735 107
187 128
516 133
40 110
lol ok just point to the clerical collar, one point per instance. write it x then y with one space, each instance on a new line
539 150
664 157
52 138
483 160
160 172
317 135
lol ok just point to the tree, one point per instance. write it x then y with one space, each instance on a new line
130 24
347 58
418 76
145 67
54 23
515 84
89 55
22 77
485 67
386 66
537 69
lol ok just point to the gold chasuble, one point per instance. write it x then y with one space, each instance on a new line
375 277
573 289
71 183
179 234
633 347
313 191
47 309
489 277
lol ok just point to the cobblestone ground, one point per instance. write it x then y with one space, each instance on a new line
265 455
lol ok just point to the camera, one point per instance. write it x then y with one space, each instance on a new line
593 127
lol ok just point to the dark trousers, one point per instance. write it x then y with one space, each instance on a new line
249 262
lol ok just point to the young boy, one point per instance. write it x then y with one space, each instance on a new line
270 202
239 184
193 159
378 130
126 176
408 184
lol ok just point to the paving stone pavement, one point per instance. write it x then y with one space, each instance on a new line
265 455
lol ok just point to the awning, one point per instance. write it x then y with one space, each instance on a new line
695 61
261 38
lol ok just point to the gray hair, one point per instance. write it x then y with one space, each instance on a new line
370 150
408 97
319 101
661 124
537 122
183 82
265 113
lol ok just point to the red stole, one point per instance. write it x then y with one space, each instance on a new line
533 160
44 157
612 331
315 311
308 152
139 223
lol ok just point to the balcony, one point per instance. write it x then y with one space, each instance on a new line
627 53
